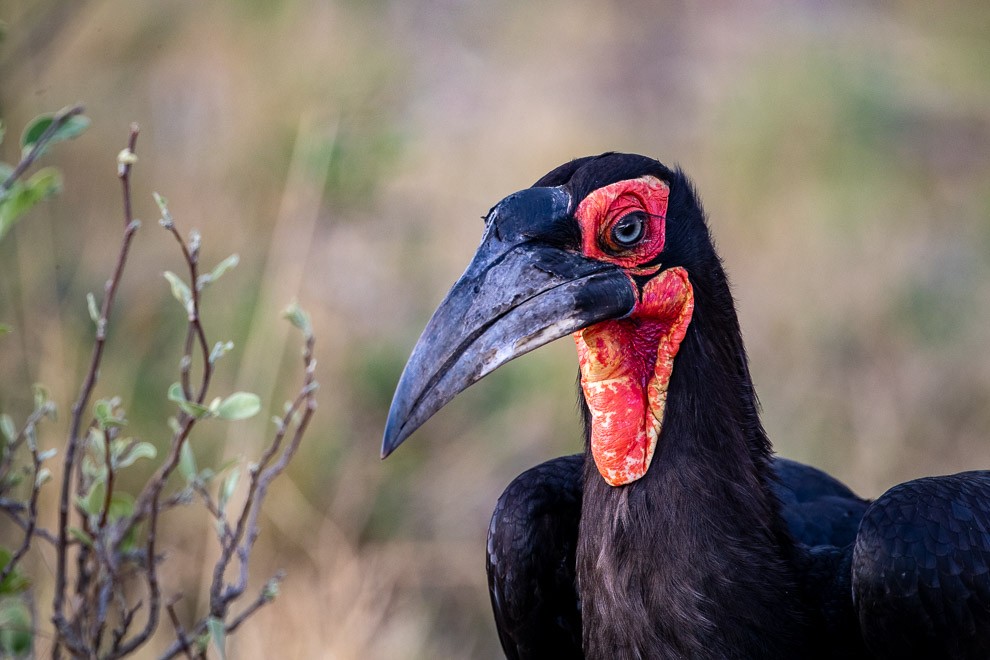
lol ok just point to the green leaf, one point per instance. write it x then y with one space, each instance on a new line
81 536
162 203
220 349
72 127
121 505
94 312
7 428
191 408
194 409
97 440
34 130
42 396
299 318
239 405
16 637
187 462
271 590
228 486
92 502
132 451
102 410
218 635
12 480
106 413
44 183
175 392
179 289
215 274
14 583
23 195
44 476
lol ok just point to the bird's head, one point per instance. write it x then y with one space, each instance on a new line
605 248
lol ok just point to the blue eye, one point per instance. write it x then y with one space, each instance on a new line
629 229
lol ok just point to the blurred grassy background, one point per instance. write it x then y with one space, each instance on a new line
346 149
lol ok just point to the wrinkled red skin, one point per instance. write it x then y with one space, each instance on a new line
626 363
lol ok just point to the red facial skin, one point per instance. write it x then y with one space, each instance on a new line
626 363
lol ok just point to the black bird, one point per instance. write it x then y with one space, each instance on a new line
677 534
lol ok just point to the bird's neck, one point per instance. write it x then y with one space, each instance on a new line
692 559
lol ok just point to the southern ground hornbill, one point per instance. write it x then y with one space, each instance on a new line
677 534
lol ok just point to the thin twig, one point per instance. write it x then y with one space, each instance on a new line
214 509
148 504
191 255
261 477
12 507
265 596
180 632
64 634
30 524
154 589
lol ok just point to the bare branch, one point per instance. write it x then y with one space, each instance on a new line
265 596
31 522
180 632
63 633
261 476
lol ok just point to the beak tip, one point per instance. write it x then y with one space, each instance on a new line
395 433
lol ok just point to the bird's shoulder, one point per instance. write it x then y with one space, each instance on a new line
817 508
921 567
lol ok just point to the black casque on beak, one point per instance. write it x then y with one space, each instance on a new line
519 292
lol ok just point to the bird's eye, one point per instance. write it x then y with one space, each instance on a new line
629 229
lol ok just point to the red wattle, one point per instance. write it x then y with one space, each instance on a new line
625 370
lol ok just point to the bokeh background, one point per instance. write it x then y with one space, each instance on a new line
346 150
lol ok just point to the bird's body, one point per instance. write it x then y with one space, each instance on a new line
677 534
533 536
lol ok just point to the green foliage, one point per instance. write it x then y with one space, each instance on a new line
239 405
22 196
94 312
227 489
299 318
7 428
14 583
180 290
16 635
162 203
220 349
18 197
33 132
108 414
187 463
205 280
218 635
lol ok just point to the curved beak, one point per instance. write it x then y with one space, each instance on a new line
517 294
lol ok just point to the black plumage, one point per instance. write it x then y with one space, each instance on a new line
533 535
718 549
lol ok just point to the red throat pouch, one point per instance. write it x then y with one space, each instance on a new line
625 370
